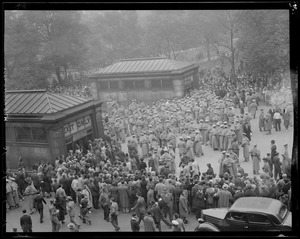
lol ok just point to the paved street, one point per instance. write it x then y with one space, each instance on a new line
98 224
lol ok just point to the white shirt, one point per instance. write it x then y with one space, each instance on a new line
277 116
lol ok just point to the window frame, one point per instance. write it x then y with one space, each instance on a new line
30 138
269 222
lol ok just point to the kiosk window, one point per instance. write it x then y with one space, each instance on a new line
31 134
103 85
139 84
23 134
114 85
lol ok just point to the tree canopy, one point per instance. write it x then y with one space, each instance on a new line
41 45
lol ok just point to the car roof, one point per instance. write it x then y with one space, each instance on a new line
257 204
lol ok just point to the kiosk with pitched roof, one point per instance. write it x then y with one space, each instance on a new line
146 79
41 125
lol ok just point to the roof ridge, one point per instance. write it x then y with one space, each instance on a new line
46 93
142 59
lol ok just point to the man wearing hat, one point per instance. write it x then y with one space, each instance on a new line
255 155
168 199
253 108
245 145
71 209
181 146
26 222
114 208
72 227
224 197
140 207
197 148
175 224
277 166
38 201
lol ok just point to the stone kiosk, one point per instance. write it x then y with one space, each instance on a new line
41 125
145 79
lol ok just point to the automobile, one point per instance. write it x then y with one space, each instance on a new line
251 214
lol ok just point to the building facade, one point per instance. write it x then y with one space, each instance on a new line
41 126
145 79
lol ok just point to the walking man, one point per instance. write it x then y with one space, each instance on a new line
114 208
26 222
54 216
38 201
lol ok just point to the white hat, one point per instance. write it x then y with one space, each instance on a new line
174 222
225 186
71 225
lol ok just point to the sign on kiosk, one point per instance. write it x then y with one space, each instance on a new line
78 125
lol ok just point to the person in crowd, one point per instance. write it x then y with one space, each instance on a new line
102 170
286 160
26 222
84 209
183 206
245 145
149 224
255 155
38 201
277 121
286 119
114 208
261 122
54 216
71 209
135 227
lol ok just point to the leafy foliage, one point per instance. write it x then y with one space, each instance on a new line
53 44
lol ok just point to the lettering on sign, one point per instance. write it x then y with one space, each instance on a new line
78 125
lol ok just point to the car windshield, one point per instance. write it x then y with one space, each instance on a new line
282 212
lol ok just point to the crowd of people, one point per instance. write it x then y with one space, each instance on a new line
80 91
148 186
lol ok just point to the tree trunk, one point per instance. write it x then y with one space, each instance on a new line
207 48
232 53
57 72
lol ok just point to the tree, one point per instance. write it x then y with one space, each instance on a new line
225 41
21 46
203 29
264 44
62 40
166 33
115 35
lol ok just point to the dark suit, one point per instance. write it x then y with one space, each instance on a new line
157 215
247 130
135 227
26 223
38 202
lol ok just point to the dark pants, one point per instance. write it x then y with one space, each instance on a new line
96 202
114 221
277 172
168 210
106 212
41 212
141 217
277 124
73 195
